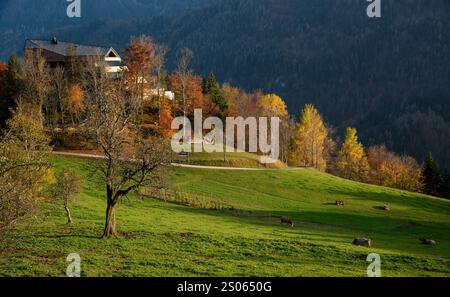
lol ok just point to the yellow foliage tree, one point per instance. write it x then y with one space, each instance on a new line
309 141
272 106
352 160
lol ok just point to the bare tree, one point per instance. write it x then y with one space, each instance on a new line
132 162
67 187
184 73
37 79
158 66
60 91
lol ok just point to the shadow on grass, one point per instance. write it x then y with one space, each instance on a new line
60 236
405 199
332 204
357 224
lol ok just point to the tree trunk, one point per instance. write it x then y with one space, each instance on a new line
69 216
110 224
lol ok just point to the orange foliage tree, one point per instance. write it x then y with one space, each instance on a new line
75 102
193 93
3 67
139 60
390 170
165 118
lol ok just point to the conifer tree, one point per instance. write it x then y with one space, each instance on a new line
211 87
431 176
445 186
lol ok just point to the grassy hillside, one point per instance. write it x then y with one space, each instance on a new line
245 237
242 159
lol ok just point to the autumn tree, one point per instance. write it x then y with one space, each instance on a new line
390 170
309 145
241 103
272 106
352 161
233 97
408 174
67 187
377 156
132 162
139 59
23 164
165 118
3 68
75 102
192 93
37 79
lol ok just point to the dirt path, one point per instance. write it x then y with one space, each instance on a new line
94 156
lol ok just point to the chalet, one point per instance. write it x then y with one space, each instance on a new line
55 53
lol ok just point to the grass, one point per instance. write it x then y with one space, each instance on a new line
245 238
234 159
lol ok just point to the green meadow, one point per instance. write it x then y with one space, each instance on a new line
233 228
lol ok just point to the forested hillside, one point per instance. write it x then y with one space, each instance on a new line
21 19
388 77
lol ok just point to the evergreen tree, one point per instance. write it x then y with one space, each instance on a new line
211 87
431 176
445 186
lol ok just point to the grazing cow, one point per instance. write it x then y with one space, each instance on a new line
428 241
340 203
367 242
387 207
288 221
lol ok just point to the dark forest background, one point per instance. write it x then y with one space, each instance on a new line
388 77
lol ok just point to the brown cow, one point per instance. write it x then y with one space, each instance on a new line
367 242
286 220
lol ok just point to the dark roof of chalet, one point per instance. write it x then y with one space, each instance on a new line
61 48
